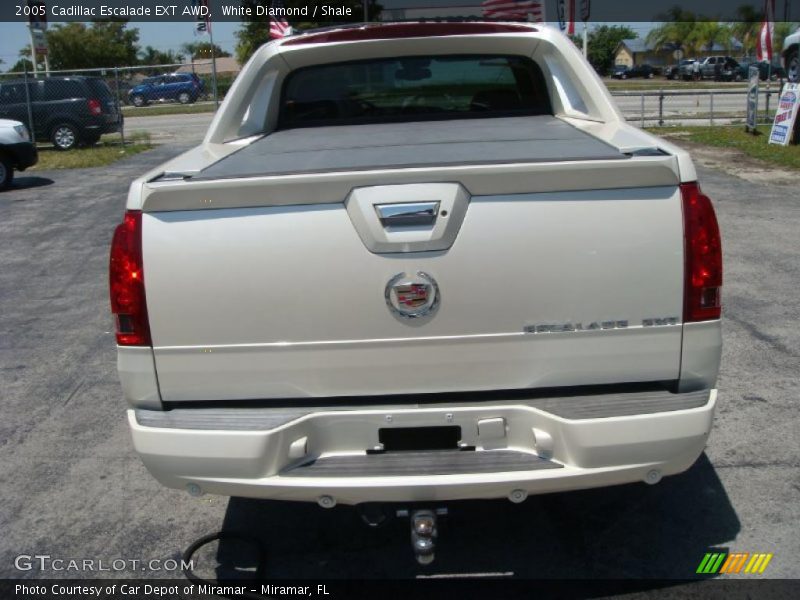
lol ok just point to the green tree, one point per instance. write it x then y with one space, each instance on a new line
705 34
153 56
101 44
203 50
24 62
603 42
746 28
679 29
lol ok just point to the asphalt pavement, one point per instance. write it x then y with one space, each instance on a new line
72 486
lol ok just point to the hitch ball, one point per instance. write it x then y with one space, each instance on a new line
423 535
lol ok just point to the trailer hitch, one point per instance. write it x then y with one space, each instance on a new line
424 532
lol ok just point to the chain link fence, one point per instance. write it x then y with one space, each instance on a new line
657 108
71 109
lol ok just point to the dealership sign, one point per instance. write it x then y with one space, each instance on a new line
786 115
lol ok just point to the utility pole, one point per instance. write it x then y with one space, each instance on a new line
33 52
213 66
585 40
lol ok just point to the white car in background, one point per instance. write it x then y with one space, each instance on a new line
16 150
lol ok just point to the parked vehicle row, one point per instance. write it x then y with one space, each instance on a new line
629 72
66 111
722 68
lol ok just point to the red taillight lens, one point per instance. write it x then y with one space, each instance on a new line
95 107
703 253
126 282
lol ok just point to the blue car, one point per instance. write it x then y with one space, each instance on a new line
177 87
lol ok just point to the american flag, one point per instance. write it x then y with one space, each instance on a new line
514 10
764 48
279 26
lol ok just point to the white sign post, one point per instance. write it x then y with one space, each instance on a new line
786 115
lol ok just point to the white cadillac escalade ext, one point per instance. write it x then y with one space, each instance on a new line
418 262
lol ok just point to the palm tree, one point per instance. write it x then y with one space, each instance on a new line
746 27
676 30
705 34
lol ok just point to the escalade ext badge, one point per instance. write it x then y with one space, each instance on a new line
413 296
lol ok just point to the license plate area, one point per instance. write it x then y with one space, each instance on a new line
440 437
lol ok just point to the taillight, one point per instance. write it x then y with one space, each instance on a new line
95 107
703 255
126 282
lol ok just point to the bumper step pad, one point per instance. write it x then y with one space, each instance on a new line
443 462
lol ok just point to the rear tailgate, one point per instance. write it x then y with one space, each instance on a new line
561 266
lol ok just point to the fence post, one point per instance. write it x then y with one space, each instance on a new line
766 108
119 108
32 131
642 109
661 107
712 107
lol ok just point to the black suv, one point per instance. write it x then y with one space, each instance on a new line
67 111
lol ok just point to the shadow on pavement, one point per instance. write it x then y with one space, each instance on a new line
29 181
633 531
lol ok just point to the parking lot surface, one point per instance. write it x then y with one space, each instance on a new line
73 487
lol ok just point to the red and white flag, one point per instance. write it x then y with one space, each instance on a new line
278 25
764 47
514 10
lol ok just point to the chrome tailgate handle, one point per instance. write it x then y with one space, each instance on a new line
408 214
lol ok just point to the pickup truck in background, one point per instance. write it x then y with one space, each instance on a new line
418 262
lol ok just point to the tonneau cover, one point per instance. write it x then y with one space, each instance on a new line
541 138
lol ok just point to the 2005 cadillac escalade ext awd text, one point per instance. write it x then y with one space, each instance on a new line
418 262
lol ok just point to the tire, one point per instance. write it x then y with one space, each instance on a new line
623 76
650 75
6 173
184 97
64 136
138 100
793 66
737 77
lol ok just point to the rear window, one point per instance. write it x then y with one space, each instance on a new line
412 89
12 93
61 89
99 88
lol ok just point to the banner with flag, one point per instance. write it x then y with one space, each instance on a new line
566 16
278 25
203 17
764 47
514 10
